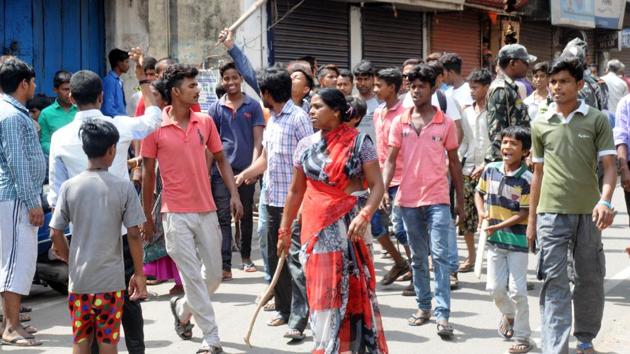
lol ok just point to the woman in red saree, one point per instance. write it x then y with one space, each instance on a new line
329 166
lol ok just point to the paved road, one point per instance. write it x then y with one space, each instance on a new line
474 316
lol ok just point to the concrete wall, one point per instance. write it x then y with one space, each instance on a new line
183 29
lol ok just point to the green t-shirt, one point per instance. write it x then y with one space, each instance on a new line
569 150
52 119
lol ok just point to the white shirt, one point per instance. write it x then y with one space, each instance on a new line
533 103
452 108
461 95
476 140
617 88
67 158
367 123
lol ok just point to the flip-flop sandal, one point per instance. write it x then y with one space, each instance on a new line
20 341
249 267
519 348
294 334
30 329
509 330
269 307
24 309
276 321
466 268
183 331
445 331
211 350
409 290
416 320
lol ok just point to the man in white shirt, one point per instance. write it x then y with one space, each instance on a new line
364 82
617 88
459 90
67 160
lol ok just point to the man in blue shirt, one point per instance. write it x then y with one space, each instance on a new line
240 122
22 172
114 103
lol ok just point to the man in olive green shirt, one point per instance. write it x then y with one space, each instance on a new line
567 212
58 114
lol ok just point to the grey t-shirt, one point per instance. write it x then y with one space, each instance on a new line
367 124
97 203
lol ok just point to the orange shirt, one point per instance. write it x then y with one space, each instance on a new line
183 165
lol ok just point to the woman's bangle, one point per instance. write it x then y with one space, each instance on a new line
365 215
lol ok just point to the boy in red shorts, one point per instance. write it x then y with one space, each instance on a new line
96 267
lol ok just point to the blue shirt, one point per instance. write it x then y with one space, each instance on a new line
236 129
22 161
114 103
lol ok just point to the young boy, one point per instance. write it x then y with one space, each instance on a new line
472 151
423 135
567 210
60 113
502 199
96 267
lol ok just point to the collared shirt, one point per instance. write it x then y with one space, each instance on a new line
283 132
533 103
114 103
22 162
424 175
452 108
182 159
236 129
622 123
476 140
569 147
383 118
52 119
617 89
505 108
67 158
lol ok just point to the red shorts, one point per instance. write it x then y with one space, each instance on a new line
96 315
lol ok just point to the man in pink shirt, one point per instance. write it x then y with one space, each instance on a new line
425 138
191 228
386 87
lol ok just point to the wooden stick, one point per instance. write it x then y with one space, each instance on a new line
265 297
245 16
481 247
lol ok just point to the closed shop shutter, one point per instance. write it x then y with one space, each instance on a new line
317 27
389 38
537 37
458 32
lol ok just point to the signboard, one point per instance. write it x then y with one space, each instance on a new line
208 80
588 13
608 40
577 13
609 13
624 38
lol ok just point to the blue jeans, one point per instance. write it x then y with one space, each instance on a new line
262 238
453 257
379 226
428 229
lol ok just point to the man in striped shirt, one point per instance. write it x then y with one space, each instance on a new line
22 172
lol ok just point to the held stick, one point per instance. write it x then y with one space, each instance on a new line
265 296
481 247
244 16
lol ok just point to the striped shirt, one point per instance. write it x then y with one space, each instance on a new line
280 139
505 195
22 161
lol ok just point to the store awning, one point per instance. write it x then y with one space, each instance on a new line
496 4
444 5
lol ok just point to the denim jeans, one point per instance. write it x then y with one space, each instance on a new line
428 229
262 238
453 256
379 223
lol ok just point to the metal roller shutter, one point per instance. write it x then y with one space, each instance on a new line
317 27
458 32
537 37
389 38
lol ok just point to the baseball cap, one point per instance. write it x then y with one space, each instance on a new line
515 51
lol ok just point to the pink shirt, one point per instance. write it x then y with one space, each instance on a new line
383 119
424 175
182 160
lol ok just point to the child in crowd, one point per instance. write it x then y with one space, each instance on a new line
503 200
471 151
96 268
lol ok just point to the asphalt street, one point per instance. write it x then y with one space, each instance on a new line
474 316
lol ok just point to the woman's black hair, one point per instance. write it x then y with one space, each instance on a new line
97 135
334 99
357 108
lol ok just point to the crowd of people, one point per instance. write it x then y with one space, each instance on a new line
419 153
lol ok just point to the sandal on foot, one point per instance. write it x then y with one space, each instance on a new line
584 348
519 348
276 321
505 328
406 277
294 334
211 350
249 267
20 341
269 307
467 267
227 275
444 329
394 273
30 329
183 331
409 291
419 318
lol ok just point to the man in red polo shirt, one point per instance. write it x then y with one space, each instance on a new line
191 227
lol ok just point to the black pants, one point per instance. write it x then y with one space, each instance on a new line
132 321
299 303
282 291
627 196
221 196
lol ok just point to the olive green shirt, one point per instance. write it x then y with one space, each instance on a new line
52 119
569 149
